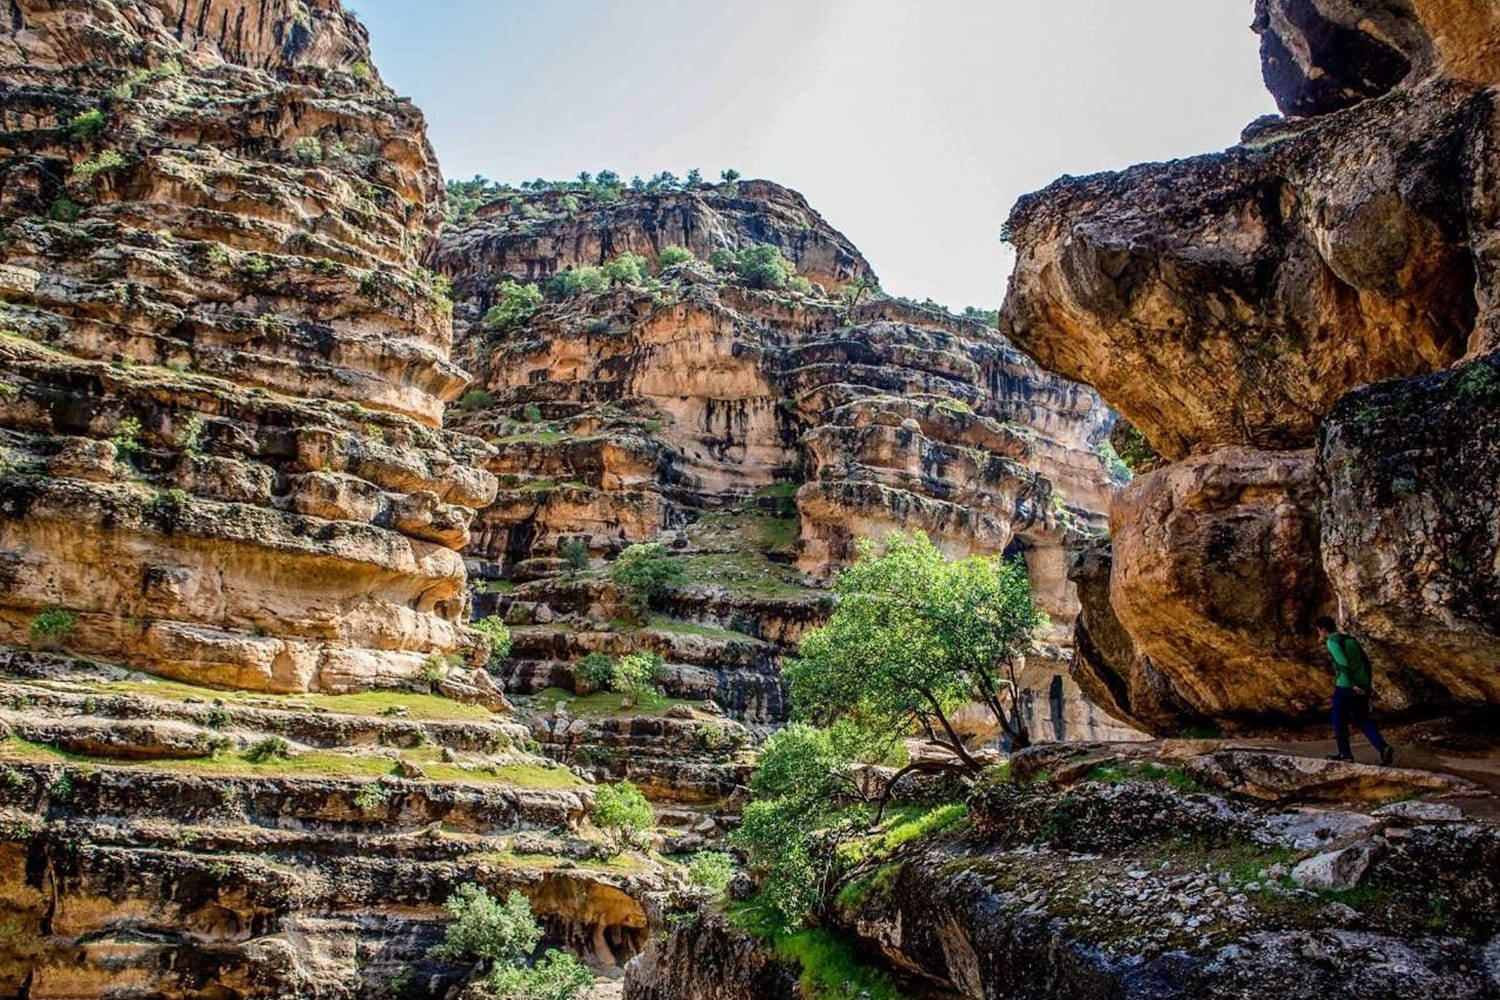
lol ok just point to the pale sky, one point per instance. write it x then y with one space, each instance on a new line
911 125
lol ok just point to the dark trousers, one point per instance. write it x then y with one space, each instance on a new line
1348 707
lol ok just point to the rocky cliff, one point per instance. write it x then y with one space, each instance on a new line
1301 325
224 368
758 431
264 760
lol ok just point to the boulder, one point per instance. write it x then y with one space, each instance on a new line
1215 583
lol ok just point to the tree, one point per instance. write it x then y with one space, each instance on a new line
914 637
627 269
622 811
762 266
729 176
504 936
577 280
694 178
644 571
856 291
806 803
494 628
634 676
574 552
593 671
514 305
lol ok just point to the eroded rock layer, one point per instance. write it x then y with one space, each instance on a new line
759 432
1231 307
221 369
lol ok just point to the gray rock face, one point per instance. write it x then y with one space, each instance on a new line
1318 56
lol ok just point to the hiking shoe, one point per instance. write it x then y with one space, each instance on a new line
1339 756
1388 756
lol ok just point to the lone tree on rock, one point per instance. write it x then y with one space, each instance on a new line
914 637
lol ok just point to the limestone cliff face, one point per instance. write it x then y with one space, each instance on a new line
760 432
223 369
1231 307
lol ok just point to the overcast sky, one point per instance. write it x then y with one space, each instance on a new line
912 125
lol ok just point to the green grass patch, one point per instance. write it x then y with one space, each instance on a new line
418 706
1115 773
602 703
831 969
311 763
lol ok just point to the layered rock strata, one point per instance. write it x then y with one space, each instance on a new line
1231 307
223 369
759 432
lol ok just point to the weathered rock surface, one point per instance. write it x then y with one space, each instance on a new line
223 368
1232 306
758 432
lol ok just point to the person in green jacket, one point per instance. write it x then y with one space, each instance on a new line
1351 692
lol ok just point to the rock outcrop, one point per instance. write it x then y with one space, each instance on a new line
1231 307
223 369
1185 870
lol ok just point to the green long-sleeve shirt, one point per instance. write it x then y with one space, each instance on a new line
1351 666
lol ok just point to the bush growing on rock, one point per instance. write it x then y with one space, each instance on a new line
52 625
476 399
515 304
578 280
672 255
712 870
109 159
622 811
643 572
626 269
307 149
593 672
575 553
634 677
503 936
495 629
762 266
85 124
270 748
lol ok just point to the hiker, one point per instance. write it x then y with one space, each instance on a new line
1351 692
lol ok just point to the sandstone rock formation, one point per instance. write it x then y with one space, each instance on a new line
223 369
760 432
1229 306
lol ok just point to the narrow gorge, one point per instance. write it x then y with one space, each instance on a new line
374 546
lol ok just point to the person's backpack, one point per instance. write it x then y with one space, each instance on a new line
1358 663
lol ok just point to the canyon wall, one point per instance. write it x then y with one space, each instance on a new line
759 432
1303 327
224 370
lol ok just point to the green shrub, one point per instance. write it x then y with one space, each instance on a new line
370 796
799 284
190 436
360 71
64 209
627 269
476 399
532 413
86 171
578 280
127 436
515 304
61 787
557 975
711 869
622 811
270 748
671 255
85 124
594 670
644 571
722 259
307 149
634 676
762 266
52 625
575 553
482 928
494 627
